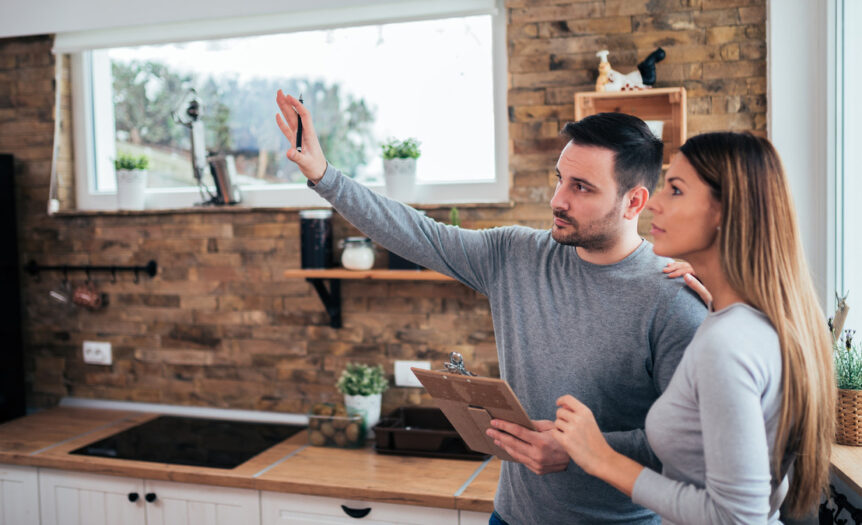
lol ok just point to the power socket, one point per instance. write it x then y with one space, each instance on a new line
97 352
404 376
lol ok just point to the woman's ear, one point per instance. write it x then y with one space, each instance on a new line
635 202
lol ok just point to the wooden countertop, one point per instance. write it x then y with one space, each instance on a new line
847 465
45 439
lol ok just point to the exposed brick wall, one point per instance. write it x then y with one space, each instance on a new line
220 326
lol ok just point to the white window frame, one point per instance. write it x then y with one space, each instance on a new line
96 107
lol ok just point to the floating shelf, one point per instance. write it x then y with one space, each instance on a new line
381 275
331 298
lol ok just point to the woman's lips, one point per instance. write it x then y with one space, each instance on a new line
655 229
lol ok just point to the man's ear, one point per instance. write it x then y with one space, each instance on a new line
634 202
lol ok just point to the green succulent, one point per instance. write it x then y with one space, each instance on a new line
362 380
397 149
126 161
848 362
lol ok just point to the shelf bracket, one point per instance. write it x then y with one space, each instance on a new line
331 299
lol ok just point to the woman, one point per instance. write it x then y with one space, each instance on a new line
753 396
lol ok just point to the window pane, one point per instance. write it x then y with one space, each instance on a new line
431 80
851 192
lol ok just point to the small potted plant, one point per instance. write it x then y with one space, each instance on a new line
848 373
131 173
363 386
399 168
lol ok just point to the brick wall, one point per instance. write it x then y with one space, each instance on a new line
220 326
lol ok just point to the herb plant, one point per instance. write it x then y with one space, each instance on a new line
848 362
126 161
454 217
362 380
397 149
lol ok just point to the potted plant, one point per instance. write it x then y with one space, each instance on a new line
399 168
131 173
848 375
363 386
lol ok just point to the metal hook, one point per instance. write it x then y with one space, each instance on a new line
65 275
87 271
113 274
136 276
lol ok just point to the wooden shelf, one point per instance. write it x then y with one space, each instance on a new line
331 298
665 104
380 275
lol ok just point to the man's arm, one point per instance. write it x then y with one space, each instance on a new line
467 255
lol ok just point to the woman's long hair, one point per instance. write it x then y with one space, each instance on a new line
762 259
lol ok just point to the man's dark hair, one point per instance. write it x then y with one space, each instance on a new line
637 152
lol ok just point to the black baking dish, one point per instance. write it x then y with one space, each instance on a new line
421 431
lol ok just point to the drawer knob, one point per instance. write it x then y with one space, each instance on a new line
355 513
150 497
133 496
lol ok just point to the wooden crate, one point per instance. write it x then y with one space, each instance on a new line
665 104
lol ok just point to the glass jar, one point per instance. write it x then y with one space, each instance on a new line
316 238
358 253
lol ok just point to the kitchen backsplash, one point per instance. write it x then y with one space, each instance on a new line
220 325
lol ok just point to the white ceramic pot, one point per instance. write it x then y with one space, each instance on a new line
400 178
368 405
131 189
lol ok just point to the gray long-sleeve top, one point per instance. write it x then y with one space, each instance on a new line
610 335
715 426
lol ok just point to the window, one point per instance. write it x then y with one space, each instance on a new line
849 165
440 80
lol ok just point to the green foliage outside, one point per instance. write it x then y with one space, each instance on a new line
362 380
454 217
124 161
848 362
397 149
239 119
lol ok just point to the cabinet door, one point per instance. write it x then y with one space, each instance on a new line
74 498
293 509
467 517
183 503
19 495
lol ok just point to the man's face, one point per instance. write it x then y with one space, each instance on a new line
588 211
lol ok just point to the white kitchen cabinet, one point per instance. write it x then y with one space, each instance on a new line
74 498
467 517
19 495
293 509
182 503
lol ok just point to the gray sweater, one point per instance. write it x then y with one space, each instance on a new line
610 335
715 426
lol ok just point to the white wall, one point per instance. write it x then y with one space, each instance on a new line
798 90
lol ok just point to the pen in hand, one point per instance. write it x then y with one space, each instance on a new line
299 129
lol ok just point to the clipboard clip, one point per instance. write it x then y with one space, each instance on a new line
456 365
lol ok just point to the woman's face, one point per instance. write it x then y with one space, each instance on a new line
686 216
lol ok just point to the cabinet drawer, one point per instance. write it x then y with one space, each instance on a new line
294 509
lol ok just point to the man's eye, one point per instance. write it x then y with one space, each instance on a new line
580 187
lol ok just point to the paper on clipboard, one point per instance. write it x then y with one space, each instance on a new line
470 403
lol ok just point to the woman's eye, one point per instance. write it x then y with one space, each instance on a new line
675 190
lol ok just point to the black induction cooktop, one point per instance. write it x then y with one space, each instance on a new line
214 443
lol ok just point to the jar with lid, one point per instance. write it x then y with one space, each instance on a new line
315 227
357 254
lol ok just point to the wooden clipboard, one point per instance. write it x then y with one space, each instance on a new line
470 403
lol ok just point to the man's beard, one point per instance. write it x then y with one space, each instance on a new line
597 236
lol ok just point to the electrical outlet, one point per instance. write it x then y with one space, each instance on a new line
404 376
97 352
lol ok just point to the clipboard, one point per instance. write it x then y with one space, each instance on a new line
471 402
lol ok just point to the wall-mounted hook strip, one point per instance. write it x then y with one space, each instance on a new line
150 269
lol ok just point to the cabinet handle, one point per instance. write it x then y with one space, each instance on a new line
133 496
355 513
150 497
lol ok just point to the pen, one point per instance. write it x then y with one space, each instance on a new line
299 130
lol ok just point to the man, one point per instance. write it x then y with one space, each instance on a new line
582 309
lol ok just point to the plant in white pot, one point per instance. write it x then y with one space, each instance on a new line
131 173
363 386
399 168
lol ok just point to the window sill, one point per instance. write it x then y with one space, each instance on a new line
247 209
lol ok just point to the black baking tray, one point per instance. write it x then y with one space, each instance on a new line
421 431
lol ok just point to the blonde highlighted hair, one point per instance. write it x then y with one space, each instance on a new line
762 259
